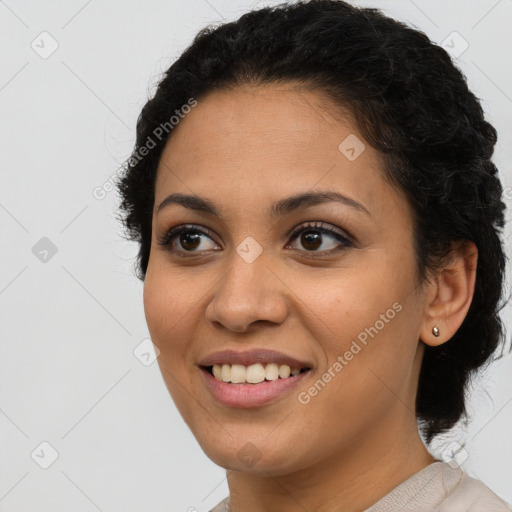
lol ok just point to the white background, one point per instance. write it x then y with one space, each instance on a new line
68 375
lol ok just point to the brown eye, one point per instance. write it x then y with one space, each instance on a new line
185 239
314 235
311 240
189 241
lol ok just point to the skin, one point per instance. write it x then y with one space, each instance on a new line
356 439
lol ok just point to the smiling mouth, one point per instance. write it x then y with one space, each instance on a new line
252 374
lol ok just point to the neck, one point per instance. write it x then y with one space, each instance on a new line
348 481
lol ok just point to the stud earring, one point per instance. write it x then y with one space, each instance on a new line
435 331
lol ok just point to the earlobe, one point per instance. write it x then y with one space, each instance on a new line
450 294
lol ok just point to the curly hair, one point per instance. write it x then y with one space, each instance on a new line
410 102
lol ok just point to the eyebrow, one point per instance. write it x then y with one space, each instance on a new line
280 208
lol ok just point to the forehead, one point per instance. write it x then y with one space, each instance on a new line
266 117
256 142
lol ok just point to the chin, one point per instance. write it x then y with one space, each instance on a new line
250 457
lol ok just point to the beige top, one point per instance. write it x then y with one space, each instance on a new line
436 488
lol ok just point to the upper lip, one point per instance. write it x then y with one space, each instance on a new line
248 357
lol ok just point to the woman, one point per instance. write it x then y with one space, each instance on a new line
319 224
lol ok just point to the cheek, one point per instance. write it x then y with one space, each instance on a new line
338 310
169 321
368 322
168 308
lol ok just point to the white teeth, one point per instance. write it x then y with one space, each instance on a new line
226 373
217 371
272 371
238 373
284 371
254 373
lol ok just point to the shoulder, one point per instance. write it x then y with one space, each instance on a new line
472 495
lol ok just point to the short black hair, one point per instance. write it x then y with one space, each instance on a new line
410 102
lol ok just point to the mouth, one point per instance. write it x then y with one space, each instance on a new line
252 374
252 378
244 394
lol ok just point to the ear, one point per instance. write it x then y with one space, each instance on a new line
450 293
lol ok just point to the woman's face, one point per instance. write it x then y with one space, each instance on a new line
259 272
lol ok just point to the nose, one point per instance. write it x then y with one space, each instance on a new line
248 294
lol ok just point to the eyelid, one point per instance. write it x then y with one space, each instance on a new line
168 235
342 236
323 227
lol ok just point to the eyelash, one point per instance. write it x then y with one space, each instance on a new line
168 237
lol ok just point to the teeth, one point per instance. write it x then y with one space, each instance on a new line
272 371
253 374
237 373
284 371
217 372
225 373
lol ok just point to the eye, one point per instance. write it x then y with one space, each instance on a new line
187 236
312 238
187 239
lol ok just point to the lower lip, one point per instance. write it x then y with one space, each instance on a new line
250 395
